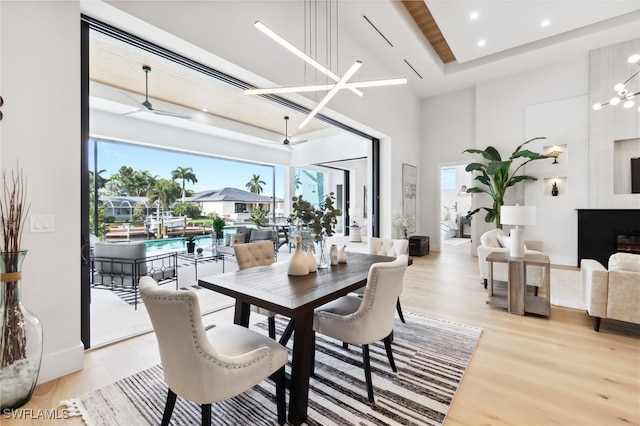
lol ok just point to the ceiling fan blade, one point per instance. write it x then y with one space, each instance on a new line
134 100
298 142
170 114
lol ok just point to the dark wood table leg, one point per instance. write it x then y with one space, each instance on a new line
303 347
242 312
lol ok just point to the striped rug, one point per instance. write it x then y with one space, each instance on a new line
431 356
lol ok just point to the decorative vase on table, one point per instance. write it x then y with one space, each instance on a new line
342 254
333 254
298 263
322 259
21 338
311 259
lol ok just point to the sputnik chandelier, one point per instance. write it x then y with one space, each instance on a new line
332 88
625 96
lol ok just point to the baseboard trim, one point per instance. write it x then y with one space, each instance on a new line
61 363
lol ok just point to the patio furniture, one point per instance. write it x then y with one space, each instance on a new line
208 366
365 320
119 267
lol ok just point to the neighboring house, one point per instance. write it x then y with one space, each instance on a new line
121 207
234 204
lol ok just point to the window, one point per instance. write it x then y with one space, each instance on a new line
448 178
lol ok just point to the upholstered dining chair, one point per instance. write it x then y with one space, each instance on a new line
362 321
259 254
388 247
208 366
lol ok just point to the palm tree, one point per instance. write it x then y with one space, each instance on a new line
165 191
255 184
185 174
140 182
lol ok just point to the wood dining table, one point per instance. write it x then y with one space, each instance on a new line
295 297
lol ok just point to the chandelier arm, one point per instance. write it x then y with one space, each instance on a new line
339 85
299 53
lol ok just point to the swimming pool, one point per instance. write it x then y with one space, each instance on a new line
175 244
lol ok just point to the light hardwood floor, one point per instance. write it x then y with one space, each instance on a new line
525 371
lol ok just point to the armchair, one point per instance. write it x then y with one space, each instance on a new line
613 293
119 266
496 240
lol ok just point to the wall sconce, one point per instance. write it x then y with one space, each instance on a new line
555 152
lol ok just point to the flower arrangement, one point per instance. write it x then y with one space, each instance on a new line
322 220
404 222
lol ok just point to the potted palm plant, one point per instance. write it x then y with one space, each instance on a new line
191 243
496 176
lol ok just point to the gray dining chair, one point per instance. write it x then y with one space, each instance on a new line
362 321
208 366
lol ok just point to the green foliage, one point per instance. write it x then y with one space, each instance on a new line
184 174
217 223
165 191
255 184
187 209
139 211
258 216
322 220
189 238
495 174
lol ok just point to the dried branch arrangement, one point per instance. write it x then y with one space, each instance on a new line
13 213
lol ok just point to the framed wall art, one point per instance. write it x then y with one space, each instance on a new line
409 191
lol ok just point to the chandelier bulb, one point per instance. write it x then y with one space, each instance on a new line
614 101
597 106
618 87
628 104
634 58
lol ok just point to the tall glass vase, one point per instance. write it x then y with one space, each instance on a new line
322 259
20 337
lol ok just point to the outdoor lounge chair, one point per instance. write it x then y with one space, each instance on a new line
119 267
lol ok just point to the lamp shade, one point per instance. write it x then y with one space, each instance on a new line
518 215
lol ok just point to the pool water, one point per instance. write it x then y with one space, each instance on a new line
175 244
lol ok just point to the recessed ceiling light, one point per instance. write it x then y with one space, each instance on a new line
545 23
205 110
473 15
481 43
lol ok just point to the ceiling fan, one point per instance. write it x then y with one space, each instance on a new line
286 142
146 105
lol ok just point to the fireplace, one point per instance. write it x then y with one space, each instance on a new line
602 232
628 241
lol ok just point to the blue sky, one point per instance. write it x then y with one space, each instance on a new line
212 173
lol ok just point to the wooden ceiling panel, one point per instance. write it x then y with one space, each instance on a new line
423 18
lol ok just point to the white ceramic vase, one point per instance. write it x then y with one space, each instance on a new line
333 254
298 263
342 254
311 259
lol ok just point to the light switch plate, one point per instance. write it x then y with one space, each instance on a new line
41 223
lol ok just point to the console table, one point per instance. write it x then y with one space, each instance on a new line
515 297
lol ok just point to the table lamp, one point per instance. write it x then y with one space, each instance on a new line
517 215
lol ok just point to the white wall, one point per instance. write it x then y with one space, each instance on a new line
448 123
41 129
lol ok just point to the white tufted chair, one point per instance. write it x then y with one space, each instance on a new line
259 254
388 247
208 366
361 321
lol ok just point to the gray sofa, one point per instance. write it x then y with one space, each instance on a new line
244 235
119 267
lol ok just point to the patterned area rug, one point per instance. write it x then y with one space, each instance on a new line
431 356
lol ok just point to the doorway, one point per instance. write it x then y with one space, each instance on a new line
455 203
